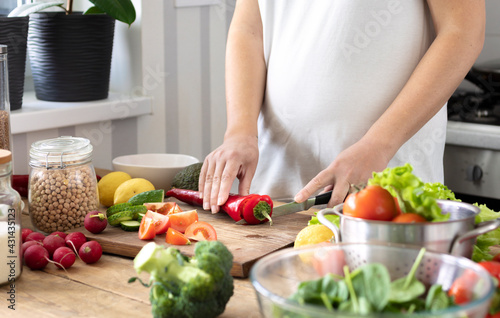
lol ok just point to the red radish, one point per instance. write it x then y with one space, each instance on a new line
25 245
35 236
25 232
64 257
58 233
90 252
74 240
36 257
95 222
52 243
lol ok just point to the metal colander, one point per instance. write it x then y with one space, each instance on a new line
276 276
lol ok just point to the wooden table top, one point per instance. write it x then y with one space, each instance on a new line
97 290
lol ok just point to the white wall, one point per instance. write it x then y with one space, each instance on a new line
183 69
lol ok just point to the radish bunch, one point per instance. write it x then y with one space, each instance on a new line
58 248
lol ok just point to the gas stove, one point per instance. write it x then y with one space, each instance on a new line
472 152
474 107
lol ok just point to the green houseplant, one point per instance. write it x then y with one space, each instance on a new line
70 52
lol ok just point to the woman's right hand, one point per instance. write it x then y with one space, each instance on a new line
236 158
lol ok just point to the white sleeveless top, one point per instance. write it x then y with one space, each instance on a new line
333 67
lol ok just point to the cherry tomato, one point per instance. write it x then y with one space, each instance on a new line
492 267
180 221
160 221
371 203
147 229
175 237
462 287
201 231
409 218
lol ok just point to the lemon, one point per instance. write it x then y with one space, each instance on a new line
108 184
313 234
131 187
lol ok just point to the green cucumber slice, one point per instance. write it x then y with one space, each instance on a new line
130 226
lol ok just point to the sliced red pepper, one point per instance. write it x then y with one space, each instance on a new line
258 209
236 206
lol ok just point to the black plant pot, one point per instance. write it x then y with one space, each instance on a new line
14 33
70 55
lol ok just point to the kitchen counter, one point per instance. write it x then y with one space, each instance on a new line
473 135
98 290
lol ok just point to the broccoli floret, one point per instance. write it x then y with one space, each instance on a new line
199 286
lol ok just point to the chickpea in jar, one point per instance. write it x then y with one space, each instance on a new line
60 199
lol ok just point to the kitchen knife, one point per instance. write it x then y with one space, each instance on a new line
293 207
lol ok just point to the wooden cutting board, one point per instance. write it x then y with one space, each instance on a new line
247 243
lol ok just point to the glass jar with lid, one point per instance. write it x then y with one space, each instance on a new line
62 183
10 223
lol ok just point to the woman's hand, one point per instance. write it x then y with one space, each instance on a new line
236 158
352 166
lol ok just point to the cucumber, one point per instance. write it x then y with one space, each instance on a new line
140 216
118 217
130 226
117 208
137 209
147 197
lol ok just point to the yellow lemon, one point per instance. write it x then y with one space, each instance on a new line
108 184
131 187
313 234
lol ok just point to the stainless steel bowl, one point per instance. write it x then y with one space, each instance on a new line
276 276
455 236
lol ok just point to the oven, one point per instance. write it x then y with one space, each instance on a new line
472 151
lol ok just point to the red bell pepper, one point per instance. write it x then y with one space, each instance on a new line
253 208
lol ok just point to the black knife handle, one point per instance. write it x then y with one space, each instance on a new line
323 198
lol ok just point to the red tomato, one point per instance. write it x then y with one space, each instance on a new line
180 221
409 218
175 237
160 221
492 267
371 203
147 229
496 258
201 231
165 208
462 287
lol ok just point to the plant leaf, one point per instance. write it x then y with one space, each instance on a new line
121 10
94 10
29 8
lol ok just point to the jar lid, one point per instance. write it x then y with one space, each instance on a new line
3 48
5 156
61 150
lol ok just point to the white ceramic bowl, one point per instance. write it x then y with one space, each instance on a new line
159 168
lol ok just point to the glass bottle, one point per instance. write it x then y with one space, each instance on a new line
10 223
5 134
62 183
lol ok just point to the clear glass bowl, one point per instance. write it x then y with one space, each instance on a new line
276 276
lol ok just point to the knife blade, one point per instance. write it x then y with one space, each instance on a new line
294 207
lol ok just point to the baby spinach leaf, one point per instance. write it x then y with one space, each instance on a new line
408 287
377 283
436 299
